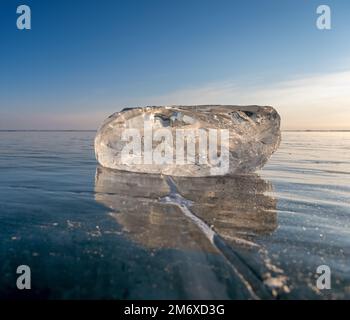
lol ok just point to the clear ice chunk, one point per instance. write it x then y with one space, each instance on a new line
191 141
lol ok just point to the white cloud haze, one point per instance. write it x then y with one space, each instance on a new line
308 102
312 102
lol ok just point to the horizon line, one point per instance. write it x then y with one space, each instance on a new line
94 130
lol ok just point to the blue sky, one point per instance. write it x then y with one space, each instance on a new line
85 59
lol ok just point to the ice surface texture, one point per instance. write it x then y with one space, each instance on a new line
252 132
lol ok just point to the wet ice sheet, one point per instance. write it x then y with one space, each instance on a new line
311 178
89 234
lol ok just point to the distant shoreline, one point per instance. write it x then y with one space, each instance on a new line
95 130
307 130
43 130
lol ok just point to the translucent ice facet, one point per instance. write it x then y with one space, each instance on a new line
189 140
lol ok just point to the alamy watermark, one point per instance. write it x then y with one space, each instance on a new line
323 21
324 280
165 146
24 281
24 21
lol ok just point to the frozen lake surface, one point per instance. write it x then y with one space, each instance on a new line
89 232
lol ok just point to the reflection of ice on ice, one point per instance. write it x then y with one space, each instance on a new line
217 215
175 198
236 207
